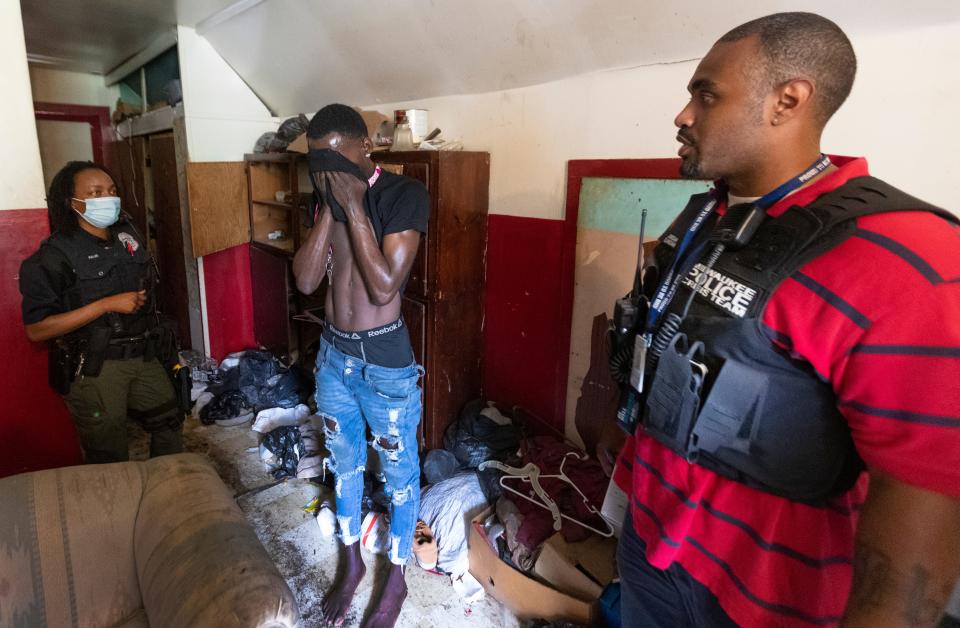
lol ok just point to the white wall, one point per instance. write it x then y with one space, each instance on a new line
532 132
900 116
223 116
74 88
21 178
61 142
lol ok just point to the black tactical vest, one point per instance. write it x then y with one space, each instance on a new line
94 271
723 395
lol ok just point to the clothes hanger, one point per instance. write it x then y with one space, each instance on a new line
530 474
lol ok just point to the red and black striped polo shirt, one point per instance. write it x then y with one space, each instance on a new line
878 317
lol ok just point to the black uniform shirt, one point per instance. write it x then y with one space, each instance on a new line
71 270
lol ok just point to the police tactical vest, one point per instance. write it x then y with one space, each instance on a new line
723 395
95 271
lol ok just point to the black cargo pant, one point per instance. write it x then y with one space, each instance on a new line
125 389
653 598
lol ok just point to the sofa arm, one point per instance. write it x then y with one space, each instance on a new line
198 561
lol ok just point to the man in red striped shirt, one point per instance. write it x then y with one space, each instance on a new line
834 498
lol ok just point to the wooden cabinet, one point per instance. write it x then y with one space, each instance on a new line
276 210
275 200
274 298
443 302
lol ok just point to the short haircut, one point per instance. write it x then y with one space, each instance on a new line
60 213
804 46
337 118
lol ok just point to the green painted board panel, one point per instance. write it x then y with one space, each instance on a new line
612 204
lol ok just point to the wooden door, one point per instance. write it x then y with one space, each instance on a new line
219 205
173 297
127 157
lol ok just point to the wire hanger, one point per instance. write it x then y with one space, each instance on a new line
530 474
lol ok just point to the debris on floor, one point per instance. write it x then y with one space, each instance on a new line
308 559
295 521
246 383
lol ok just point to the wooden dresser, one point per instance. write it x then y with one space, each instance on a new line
443 301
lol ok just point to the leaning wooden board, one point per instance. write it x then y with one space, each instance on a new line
219 216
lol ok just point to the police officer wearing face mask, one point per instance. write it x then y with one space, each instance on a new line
88 292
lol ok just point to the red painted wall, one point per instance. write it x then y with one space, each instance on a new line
526 338
36 431
229 299
529 294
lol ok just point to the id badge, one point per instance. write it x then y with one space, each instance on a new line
639 362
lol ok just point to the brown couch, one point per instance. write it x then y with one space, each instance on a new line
157 543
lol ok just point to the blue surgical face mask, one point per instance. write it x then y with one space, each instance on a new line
100 211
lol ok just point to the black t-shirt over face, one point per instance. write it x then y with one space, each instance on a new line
394 203
71 270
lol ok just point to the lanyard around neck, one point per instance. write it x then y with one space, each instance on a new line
670 283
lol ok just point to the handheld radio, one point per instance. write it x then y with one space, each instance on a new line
627 349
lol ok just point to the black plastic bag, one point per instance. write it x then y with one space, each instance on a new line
473 437
224 406
266 383
277 142
286 444
292 128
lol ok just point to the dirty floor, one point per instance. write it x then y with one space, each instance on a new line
306 559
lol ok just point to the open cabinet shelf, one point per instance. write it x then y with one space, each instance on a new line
268 175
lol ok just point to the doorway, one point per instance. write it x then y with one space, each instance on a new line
70 133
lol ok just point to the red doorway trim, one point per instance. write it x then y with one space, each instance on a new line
577 169
97 117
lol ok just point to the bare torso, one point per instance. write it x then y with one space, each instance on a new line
348 305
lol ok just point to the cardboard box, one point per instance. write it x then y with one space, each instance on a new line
572 595
577 569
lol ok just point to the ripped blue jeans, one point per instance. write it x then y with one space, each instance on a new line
351 395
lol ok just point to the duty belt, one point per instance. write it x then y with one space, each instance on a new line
126 348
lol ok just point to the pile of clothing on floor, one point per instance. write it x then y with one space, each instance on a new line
484 466
244 384
488 461
254 385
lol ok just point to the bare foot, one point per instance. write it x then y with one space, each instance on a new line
336 604
391 599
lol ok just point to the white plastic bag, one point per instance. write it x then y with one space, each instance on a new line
375 533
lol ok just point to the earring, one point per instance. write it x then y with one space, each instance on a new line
368 154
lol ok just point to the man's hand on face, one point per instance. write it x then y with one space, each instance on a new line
349 191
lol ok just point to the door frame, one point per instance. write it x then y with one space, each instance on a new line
97 117
577 170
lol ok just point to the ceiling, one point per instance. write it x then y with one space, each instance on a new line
297 53
98 35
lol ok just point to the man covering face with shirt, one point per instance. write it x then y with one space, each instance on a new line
367 230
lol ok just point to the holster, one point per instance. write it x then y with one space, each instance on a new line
167 343
166 348
95 350
151 345
183 384
61 366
